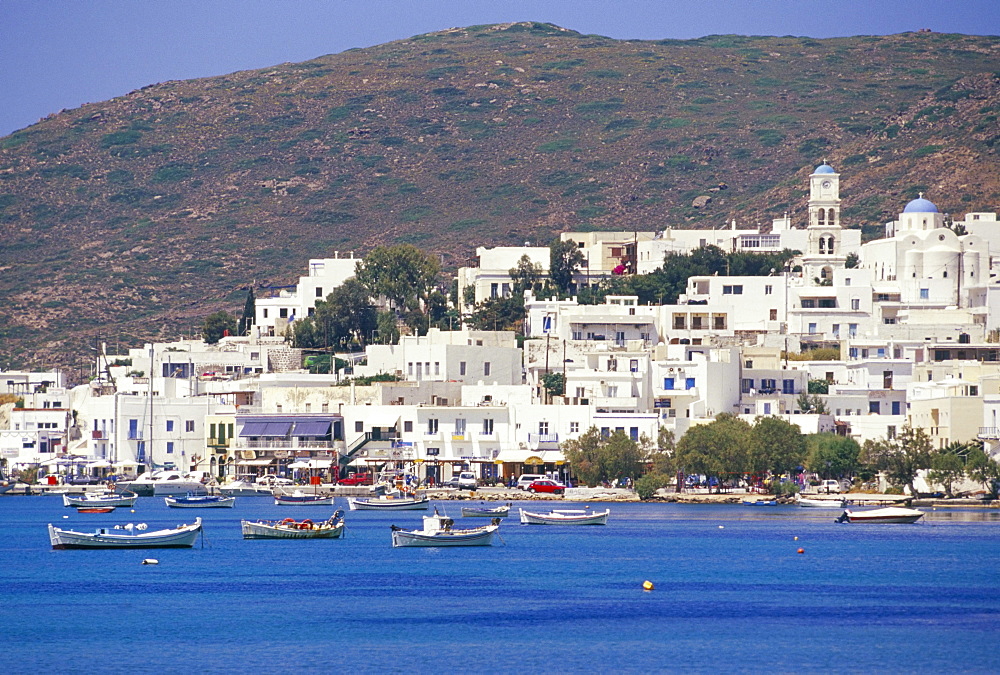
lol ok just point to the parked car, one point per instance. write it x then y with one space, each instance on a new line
527 479
356 479
271 480
829 486
547 485
466 480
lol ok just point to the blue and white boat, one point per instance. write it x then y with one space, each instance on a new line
191 501
438 530
89 501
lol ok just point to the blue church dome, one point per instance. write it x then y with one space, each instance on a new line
920 205
824 168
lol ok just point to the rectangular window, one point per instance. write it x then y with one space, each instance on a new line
319 291
546 324
767 408
486 368
461 367
574 427
746 385
189 425
855 304
460 426
874 407
719 322
494 290
605 432
808 303
170 447
283 313
432 425
668 383
633 365
170 425
133 429
680 322
409 369
265 312
437 367
788 386
925 294
543 428
836 330
852 329
633 433
578 335
488 425
895 408
812 329
359 426
505 290
407 426
768 289
612 365
689 383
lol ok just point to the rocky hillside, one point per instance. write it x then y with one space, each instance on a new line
134 218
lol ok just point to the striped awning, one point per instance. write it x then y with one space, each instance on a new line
320 428
276 429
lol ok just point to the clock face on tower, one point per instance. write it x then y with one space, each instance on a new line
827 184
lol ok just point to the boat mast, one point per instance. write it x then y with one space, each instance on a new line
148 460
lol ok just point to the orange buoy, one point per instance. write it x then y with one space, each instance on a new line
801 550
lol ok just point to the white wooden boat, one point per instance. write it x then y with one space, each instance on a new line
389 503
890 514
201 502
244 488
162 483
566 517
820 503
127 536
289 528
439 530
484 511
99 500
303 498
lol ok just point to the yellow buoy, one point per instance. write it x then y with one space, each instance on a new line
796 538
150 561
647 585
722 527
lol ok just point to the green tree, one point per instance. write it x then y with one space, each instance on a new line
721 449
565 259
982 468
595 457
498 314
811 404
832 456
900 458
217 326
387 330
778 448
306 334
816 387
647 486
948 466
526 275
554 384
249 313
403 274
347 314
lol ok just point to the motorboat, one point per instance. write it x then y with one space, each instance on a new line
127 536
438 530
289 528
301 498
95 509
566 517
389 503
162 483
6 483
245 488
484 511
98 500
760 502
201 502
820 503
889 514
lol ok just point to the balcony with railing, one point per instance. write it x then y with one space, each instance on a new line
989 433
537 439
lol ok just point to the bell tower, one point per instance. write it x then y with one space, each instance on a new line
823 254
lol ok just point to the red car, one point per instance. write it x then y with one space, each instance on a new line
356 479
547 485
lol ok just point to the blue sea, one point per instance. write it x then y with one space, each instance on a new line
732 593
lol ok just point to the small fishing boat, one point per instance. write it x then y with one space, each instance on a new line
289 528
760 502
389 503
200 502
438 530
302 498
484 511
127 536
97 500
890 514
566 517
95 509
820 503
6 483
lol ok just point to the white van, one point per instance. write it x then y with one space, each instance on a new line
527 479
828 486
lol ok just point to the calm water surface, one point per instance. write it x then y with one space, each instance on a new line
732 594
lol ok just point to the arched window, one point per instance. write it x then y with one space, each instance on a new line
822 216
831 217
829 245
822 245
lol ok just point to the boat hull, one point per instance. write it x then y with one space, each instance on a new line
200 502
243 489
301 500
886 515
285 530
473 512
124 499
405 504
481 536
183 536
820 503
564 518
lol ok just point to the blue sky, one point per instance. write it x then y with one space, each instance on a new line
57 54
